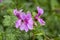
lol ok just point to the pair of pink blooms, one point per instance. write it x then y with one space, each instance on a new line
25 21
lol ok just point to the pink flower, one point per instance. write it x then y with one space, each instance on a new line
25 21
40 12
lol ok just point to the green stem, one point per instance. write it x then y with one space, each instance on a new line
29 35
33 37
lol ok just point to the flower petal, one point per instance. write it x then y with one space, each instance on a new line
23 15
22 27
18 23
30 21
30 24
15 11
26 29
41 21
29 14
40 11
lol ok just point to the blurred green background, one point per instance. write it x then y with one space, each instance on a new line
51 31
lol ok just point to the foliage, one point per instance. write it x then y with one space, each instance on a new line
51 31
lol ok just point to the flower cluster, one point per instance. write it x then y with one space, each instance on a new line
25 20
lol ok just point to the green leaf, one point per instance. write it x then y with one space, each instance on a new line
9 20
